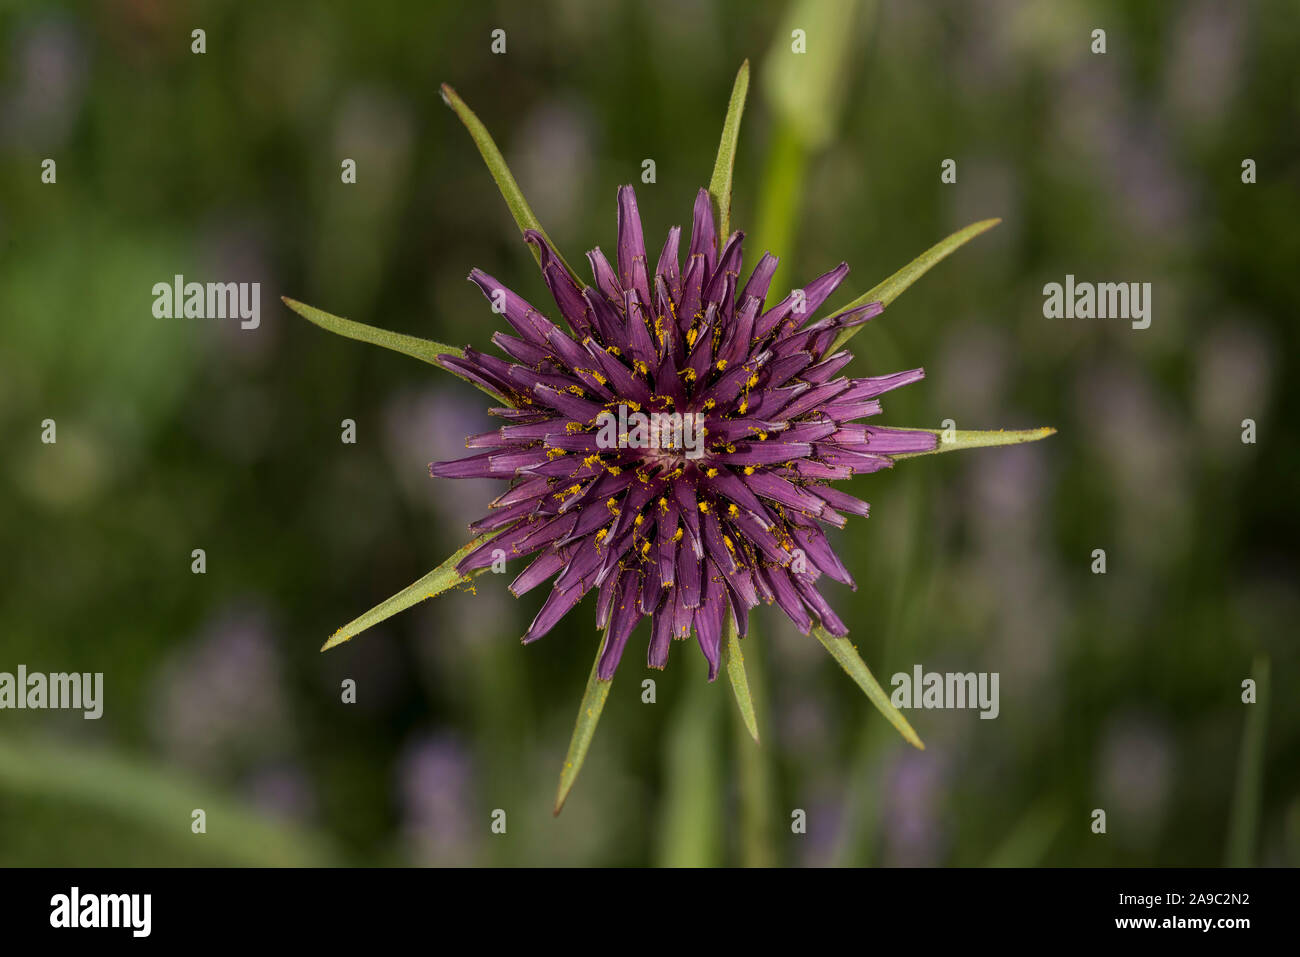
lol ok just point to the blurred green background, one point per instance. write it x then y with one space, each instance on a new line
1118 691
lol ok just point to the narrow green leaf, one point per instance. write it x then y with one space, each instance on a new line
720 184
1243 825
733 659
435 583
593 703
496 164
426 350
842 650
974 439
893 287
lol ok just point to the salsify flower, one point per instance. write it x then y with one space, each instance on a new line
687 537
671 441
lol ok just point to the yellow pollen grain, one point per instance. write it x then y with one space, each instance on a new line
709 403
722 364
677 535
732 510
572 427
711 472
749 470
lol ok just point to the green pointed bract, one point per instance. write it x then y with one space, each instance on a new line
431 585
733 660
954 440
593 703
426 350
842 650
720 184
893 287
505 180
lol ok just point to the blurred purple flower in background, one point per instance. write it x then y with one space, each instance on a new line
221 698
913 825
435 418
436 787
555 163
1134 776
1204 67
41 107
1234 381
283 790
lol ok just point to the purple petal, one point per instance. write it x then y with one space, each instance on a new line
557 605
631 245
626 614
704 235
601 271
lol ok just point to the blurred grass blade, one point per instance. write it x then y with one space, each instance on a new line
842 650
893 287
692 809
1244 823
720 184
755 794
496 164
1031 837
593 703
108 789
805 96
734 661
808 92
426 350
435 583
976 439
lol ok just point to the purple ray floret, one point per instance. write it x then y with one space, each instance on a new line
612 490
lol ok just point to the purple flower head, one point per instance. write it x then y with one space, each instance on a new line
671 443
